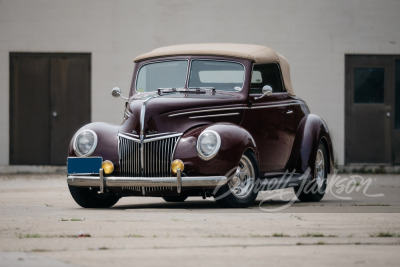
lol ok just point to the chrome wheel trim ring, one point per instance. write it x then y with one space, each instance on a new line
320 168
243 181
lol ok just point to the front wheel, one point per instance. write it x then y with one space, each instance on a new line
90 198
240 191
315 190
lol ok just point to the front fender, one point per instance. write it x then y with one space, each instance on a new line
311 130
107 142
234 142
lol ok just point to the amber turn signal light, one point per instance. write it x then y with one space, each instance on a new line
107 166
177 164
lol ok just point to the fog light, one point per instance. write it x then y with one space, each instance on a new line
107 166
177 164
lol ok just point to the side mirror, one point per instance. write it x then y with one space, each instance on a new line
266 90
116 92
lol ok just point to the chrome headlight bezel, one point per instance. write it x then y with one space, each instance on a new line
217 145
91 150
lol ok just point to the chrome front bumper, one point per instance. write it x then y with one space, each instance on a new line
113 181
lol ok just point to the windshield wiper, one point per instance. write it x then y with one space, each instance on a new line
204 88
169 90
190 90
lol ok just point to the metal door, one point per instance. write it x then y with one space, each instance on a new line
370 101
49 101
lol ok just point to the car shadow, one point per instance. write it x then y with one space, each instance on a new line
211 204
188 204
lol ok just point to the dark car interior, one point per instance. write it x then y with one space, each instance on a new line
266 74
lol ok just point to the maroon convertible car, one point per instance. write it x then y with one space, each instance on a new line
210 120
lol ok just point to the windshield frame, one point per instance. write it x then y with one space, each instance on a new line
139 65
161 61
216 60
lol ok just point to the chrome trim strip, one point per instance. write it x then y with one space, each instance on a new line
215 115
128 114
150 139
276 105
236 108
159 134
83 173
94 181
141 155
175 146
130 135
206 110
142 115
143 112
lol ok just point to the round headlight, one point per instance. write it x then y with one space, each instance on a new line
208 144
85 143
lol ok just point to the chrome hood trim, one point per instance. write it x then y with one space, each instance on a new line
143 113
148 138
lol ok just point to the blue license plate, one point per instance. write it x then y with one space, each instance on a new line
84 165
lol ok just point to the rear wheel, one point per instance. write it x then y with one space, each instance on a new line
174 198
90 198
240 191
315 190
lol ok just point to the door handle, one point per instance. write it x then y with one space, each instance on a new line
54 114
388 114
289 111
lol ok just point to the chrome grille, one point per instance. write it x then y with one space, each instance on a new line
154 161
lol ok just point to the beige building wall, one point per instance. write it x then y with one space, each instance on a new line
314 35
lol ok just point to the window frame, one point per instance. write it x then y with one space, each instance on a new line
160 61
217 60
279 75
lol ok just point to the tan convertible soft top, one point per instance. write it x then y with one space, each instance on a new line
256 53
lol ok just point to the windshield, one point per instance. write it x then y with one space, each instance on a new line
221 75
168 74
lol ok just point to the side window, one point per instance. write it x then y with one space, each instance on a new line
266 74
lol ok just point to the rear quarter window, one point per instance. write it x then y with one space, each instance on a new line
266 74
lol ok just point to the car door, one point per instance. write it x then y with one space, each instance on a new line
271 119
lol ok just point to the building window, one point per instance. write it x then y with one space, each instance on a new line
369 85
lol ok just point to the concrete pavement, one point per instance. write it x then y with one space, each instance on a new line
357 223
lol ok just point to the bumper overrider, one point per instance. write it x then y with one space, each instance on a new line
89 175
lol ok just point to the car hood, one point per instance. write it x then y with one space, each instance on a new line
178 112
